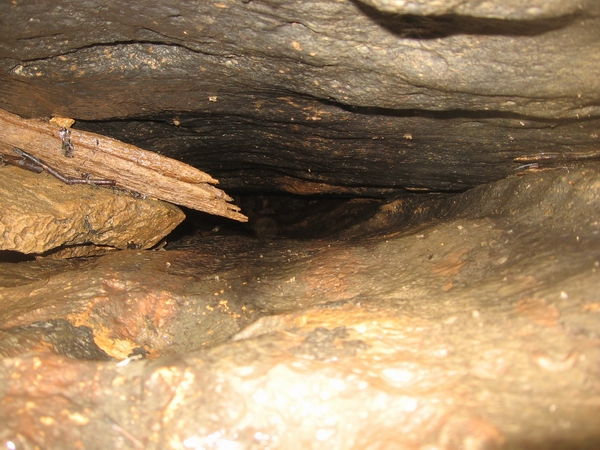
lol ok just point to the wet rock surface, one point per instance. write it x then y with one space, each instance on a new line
477 328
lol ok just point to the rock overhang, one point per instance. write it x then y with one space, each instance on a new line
320 97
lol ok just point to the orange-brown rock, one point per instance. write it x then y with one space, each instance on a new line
39 213
474 331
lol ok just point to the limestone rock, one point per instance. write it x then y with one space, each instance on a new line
411 339
39 213
366 60
436 321
429 94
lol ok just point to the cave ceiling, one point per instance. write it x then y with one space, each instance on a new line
368 97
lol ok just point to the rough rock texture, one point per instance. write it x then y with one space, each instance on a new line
415 320
474 330
317 96
39 213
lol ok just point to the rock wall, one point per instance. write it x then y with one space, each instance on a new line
317 96
478 329
435 317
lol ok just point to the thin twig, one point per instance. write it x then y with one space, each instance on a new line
20 162
65 179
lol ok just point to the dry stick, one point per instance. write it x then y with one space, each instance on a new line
21 162
57 174
132 168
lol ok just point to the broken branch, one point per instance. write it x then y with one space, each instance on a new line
131 167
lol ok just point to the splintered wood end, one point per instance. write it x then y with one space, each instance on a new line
78 154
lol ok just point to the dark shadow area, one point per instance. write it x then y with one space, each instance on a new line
275 216
434 27
198 226
455 114
211 120
14 257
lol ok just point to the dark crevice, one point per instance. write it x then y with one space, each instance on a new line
457 114
442 114
274 217
112 45
245 153
446 25
277 216
14 257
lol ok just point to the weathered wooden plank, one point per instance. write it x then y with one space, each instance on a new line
131 167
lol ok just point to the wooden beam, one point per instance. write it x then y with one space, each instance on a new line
132 168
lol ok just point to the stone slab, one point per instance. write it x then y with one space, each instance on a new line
39 213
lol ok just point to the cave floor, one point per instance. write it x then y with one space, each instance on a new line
477 330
